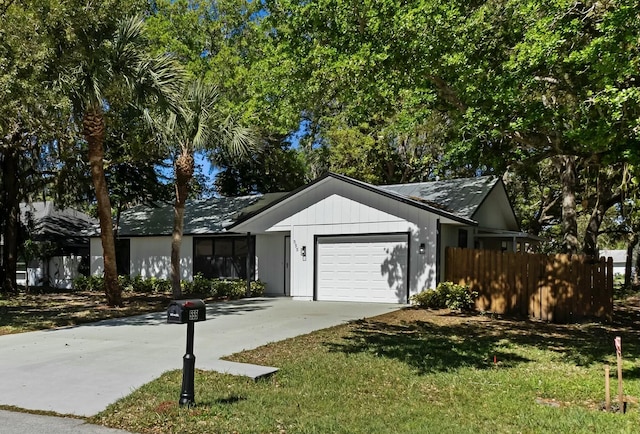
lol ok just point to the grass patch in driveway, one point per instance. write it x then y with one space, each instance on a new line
406 372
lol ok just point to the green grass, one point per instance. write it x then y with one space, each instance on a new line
38 311
408 372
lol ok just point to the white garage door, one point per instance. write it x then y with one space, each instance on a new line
370 268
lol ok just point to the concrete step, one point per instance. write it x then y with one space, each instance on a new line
235 368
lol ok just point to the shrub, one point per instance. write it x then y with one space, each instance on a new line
222 288
446 295
88 283
200 286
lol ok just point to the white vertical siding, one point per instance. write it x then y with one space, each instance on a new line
63 269
96 262
270 262
496 212
149 256
337 215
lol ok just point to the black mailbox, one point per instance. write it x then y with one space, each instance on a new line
186 311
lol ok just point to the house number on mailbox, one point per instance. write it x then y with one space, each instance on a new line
193 315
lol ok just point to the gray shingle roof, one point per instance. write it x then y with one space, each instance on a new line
49 223
205 216
459 196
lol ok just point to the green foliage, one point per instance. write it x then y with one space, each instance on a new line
277 168
214 288
139 284
446 295
89 283
221 288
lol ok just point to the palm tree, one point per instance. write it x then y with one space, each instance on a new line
98 65
197 124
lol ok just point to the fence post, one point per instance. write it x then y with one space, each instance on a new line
609 291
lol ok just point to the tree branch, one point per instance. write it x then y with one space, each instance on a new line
448 93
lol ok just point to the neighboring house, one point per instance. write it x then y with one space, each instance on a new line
619 260
62 236
334 239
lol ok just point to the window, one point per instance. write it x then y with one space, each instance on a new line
463 238
222 257
123 257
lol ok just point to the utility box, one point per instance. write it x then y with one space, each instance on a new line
186 311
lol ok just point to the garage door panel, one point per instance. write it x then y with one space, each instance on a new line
362 268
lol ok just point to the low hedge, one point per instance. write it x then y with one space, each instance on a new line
446 295
200 286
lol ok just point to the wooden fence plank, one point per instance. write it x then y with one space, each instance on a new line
609 296
548 287
533 288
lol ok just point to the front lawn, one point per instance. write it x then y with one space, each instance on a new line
37 311
413 371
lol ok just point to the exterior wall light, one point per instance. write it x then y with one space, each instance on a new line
303 251
422 249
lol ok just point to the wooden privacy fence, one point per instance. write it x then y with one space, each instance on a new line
558 288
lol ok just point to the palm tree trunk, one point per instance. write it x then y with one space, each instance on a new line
93 123
176 239
184 172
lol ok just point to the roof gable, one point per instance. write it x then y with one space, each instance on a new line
341 179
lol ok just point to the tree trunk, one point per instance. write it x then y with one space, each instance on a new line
184 168
176 238
605 199
628 266
93 123
12 210
593 227
636 273
569 218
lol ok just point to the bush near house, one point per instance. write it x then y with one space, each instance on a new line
222 288
446 295
215 288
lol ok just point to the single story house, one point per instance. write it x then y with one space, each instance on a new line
619 260
62 238
335 238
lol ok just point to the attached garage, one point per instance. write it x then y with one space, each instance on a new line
365 268
346 240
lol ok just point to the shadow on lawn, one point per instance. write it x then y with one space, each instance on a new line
440 341
27 312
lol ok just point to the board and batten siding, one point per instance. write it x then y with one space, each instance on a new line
270 259
150 257
348 210
496 212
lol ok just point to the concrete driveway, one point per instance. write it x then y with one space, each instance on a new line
81 370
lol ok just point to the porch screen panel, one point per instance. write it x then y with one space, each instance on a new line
221 257
223 252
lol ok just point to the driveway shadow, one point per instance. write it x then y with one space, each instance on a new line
216 309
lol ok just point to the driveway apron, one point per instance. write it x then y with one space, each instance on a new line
81 370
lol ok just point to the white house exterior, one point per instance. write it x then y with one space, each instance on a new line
619 260
333 239
63 237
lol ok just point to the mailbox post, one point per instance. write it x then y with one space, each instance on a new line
187 312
